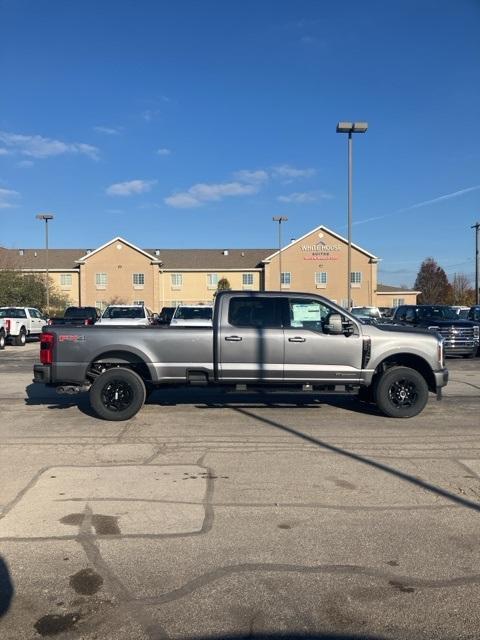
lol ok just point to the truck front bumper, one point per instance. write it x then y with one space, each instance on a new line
441 378
42 373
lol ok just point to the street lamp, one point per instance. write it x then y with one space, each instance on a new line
280 219
476 226
350 127
46 217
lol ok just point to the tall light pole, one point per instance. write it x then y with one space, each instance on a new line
280 219
350 127
46 217
476 226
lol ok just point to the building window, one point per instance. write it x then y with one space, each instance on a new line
356 278
177 280
101 304
397 302
138 280
321 279
247 279
101 280
65 279
175 303
344 303
212 280
140 302
286 279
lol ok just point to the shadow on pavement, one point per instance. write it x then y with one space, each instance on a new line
39 395
292 636
464 502
6 588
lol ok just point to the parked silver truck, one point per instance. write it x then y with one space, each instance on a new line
258 339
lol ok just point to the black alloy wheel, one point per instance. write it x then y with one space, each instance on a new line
401 392
117 394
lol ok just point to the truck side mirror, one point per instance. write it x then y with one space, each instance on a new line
334 326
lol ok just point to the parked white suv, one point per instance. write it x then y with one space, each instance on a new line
192 315
20 322
126 314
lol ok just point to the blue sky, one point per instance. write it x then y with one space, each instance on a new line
190 124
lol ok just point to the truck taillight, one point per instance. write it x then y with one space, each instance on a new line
46 348
88 322
7 326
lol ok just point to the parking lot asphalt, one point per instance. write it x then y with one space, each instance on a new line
214 515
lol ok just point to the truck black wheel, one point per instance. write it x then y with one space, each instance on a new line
117 394
401 392
2 341
21 339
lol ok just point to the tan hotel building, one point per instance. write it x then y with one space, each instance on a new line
119 271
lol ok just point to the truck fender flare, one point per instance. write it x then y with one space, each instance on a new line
122 356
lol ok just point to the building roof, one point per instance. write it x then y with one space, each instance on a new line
215 259
219 259
386 288
327 230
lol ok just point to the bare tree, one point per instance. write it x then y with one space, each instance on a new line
462 292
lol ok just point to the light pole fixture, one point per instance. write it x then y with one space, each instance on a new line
350 127
46 217
476 226
280 219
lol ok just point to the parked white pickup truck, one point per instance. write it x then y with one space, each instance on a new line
21 322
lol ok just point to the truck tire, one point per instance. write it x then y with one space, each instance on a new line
2 340
21 339
401 392
117 394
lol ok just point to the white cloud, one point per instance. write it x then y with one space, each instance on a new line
255 177
109 131
163 151
25 164
5 197
304 197
130 188
39 147
201 193
291 173
149 114
3 152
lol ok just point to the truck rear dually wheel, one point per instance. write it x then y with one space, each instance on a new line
401 392
117 394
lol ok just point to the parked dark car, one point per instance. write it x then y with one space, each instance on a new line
77 316
461 336
165 315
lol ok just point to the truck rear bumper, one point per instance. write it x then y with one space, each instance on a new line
42 373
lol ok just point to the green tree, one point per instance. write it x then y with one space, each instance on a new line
223 285
29 290
433 283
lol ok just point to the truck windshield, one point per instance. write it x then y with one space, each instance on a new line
193 313
79 312
7 312
438 313
115 313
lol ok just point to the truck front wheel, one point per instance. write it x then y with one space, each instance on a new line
401 392
117 394
2 340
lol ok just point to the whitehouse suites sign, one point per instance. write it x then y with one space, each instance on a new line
321 250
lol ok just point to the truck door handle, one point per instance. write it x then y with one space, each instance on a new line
297 339
233 338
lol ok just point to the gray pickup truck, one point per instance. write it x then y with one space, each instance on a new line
289 341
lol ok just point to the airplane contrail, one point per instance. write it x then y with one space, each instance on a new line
424 203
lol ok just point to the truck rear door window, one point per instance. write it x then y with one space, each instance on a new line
244 312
